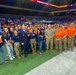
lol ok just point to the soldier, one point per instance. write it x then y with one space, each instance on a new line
75 37
49 34
64 38
71 36
58 38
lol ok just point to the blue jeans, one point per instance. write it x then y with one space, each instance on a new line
10 51
40 46
44 44
2 53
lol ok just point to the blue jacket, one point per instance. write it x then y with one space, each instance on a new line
24 37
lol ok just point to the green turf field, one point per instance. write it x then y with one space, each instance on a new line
23 65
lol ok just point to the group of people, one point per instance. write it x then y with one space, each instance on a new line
29 38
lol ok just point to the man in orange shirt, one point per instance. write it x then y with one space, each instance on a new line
58 37
71 35
64 38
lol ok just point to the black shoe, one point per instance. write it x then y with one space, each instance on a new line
25 55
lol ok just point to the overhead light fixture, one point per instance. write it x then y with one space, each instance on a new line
53 5
49 4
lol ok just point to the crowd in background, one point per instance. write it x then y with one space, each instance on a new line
32 38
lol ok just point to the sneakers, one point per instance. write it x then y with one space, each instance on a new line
40 53
11 58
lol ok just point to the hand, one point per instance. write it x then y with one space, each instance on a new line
33 34
42 37
49 38
28 35
22 43
9 44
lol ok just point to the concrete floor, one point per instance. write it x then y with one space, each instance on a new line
62 64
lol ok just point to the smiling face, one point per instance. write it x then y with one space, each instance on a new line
24 27
38 31
72 25
15 32
49 26
6 30
16 28
11 29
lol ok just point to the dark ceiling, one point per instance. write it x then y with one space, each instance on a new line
23 7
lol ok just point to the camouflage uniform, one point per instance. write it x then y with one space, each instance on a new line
70 43
49 33
58 41
64 42
58 44
33 45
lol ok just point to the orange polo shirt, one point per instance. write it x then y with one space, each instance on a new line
57 34
71 31
64 32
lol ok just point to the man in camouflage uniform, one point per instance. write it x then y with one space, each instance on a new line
71 36
58 40
64 38
49 34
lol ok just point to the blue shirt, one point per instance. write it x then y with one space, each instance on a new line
11 34
32 36
42 34
39 38
7 37
16 38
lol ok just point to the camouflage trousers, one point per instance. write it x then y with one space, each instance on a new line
33 45
70 43
17 48
58 44
64 43
49 42
75 41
